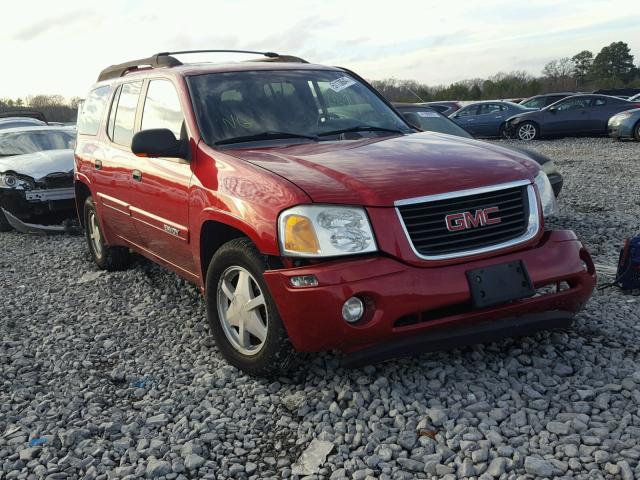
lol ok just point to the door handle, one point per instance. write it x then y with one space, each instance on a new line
98 164
137 175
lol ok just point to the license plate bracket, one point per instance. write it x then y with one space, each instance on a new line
498 284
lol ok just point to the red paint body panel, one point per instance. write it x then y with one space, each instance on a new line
163 215
398 290
378 172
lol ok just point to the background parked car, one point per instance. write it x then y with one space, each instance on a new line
446 108
431 121
541 101
36 176
575 115
625 125
15 122
486 119
635 98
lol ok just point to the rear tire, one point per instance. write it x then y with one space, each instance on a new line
527 131
106 257
4 223
243 318
636 132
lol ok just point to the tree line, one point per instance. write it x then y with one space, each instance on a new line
56 108
612 67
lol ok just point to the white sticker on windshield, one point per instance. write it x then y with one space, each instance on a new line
341 83
428 114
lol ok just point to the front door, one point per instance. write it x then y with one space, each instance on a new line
160 203
570 116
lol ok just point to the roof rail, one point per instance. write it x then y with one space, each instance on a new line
165 59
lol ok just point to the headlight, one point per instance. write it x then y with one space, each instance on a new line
8 181
549 168
547 198
325 231
620 117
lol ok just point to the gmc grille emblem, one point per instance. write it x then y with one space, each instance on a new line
464 220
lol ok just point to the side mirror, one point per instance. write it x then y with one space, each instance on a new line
553 109
455 115
158 142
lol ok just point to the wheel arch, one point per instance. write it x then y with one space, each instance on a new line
218 227
82 193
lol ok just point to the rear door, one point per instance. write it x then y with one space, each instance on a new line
602 109
113 177
160 186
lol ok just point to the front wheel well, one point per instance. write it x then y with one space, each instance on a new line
82 193
214 234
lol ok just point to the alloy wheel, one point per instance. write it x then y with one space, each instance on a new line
242 310
94 233
527 132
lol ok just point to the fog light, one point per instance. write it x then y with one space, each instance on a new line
304 281
352 310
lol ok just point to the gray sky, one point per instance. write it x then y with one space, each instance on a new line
60 47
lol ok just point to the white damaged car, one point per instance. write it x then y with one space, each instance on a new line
36 178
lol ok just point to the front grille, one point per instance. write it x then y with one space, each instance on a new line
427 228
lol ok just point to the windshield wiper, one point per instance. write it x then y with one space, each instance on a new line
269 135
360 128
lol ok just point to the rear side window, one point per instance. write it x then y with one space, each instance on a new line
162 108
92 110
536 103
125 113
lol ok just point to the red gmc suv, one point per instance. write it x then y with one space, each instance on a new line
313 217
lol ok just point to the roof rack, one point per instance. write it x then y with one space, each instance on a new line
165 59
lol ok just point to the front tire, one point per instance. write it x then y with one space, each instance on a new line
243 318
636 132
106 257
527 131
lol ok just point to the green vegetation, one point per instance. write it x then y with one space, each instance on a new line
612 67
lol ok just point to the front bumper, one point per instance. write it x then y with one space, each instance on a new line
405 301
28 205
620 130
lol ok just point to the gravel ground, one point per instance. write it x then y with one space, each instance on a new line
112 375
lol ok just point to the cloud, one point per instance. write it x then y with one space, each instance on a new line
423 40
33 31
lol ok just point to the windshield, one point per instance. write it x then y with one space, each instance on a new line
433 122
19 143
296 105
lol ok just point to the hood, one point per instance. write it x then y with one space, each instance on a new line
39 164
377 172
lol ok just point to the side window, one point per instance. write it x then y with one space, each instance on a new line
465 112
112 113
488 108
125 117
535 103
162 108
92 109
599 102
574 104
